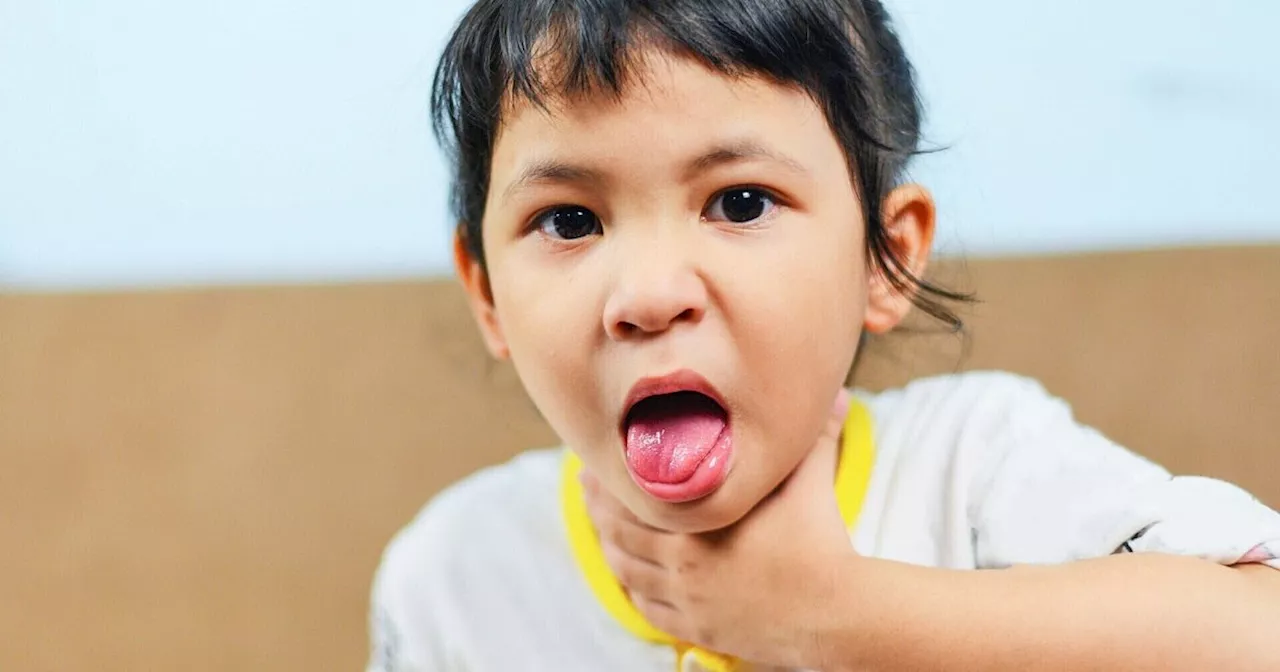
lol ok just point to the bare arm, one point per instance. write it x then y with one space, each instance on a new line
1132 612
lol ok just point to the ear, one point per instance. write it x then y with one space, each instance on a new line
476 283
908 213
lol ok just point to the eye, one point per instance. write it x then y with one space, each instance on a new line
568 222
741 205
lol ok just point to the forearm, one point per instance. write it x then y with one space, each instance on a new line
1132 612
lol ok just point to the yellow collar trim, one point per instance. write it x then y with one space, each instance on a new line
853 475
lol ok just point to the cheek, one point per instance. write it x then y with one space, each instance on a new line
551 325
802 304
797 322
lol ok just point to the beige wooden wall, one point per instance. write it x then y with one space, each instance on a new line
204 480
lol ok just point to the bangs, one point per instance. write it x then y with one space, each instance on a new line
542 50
574 52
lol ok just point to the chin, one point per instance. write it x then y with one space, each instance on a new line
714 512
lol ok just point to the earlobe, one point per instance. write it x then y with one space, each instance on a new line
908 213
475 281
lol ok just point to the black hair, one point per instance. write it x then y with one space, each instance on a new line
843 53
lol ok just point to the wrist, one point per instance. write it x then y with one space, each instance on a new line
840 616
875 615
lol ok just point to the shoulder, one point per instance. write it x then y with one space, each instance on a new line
458 528
968 389
1034 485
979 405
989 424
447 567
977 435
463 539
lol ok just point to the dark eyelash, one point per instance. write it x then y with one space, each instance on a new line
778 200
531 226
773 195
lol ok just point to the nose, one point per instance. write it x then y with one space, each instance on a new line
656 289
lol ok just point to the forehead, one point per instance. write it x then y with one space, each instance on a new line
668 107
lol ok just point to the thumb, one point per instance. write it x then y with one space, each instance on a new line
818 469
839 413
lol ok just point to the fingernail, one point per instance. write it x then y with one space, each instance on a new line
843 399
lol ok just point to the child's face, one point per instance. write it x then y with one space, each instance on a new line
618 268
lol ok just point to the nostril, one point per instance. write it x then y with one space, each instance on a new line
628 329
631 314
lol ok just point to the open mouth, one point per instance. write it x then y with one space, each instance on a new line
677 438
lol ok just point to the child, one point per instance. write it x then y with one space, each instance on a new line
677 219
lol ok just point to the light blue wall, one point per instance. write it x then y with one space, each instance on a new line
148 142
1088 124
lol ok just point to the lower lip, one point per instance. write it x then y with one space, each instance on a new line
706 479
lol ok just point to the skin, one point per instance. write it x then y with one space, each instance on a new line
762 311
831 609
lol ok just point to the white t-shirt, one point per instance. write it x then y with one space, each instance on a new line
980 470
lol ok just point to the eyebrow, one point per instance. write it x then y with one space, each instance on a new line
555 171
552 171
738 152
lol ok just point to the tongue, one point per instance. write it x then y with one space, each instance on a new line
668 436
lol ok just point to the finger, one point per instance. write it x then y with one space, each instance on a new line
663 616
639 577
636 540
818 469
600 499
839 413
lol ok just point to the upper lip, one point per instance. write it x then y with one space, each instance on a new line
683 380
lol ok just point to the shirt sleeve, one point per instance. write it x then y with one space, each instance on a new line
384 639
407 612
1056 491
